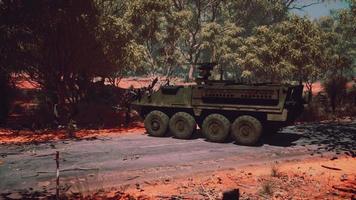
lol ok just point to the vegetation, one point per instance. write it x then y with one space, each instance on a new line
65 45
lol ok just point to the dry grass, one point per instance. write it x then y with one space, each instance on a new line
267 188
275 171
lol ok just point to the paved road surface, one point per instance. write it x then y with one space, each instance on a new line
117 161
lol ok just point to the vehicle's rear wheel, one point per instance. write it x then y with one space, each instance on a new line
216 128
246 130
156 123
182 125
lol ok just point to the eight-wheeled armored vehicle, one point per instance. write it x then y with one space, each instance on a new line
220 108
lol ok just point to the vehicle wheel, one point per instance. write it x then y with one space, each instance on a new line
156 123
246 130
182 125
216 128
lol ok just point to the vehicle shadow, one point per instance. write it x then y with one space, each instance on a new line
280 139
327 137
332 137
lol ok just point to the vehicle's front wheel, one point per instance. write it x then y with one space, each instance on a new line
216 128
156 123
182 125
247 130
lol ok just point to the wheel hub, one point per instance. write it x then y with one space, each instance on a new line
180 125
214 127
245 130
155 125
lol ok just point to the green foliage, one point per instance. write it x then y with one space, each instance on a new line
66 45
62 45
285 51
170 36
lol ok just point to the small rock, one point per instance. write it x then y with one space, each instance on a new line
232 194
343 177
333 158
14 196
249 174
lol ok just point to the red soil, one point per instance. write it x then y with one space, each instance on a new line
25 136
306 179
318 87
23 81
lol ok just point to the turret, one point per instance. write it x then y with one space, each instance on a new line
204 72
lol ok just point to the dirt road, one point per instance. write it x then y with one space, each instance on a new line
113 162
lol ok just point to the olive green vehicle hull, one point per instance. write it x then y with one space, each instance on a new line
273 105
268 102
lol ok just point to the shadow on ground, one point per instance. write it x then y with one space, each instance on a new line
331 137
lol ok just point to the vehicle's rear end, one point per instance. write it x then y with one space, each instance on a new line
294 102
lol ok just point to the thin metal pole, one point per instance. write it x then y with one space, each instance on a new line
57 176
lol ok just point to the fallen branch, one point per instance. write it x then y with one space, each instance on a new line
79 169
347 190
71 169
332 168
44 155
132 178
206 193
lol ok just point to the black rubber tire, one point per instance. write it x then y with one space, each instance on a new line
246 130
156 123
182 125
216 128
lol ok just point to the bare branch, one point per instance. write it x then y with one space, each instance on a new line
303 6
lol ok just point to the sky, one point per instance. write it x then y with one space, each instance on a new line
318 10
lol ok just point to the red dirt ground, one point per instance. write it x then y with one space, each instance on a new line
26 136
306 179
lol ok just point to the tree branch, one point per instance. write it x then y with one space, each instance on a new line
303 6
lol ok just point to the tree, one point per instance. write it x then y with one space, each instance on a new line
57 44
339 52
169 34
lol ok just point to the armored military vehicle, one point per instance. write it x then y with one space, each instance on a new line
219 108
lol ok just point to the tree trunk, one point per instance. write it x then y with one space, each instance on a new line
5 94
333 103
310 91
191 73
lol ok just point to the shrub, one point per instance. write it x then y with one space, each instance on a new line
267 188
